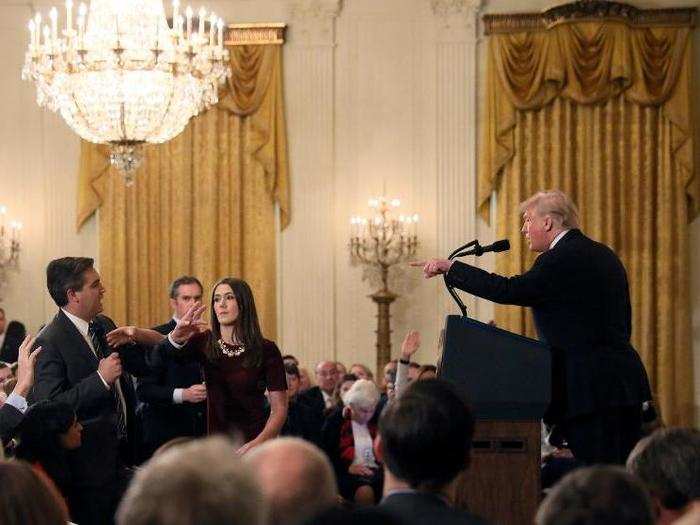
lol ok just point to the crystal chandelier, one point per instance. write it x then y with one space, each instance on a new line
120 75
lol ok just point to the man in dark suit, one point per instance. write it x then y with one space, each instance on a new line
580 301
173 394
319 399
424 442
77 366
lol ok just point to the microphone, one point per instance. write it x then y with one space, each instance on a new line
478 250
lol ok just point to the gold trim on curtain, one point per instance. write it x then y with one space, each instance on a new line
202 204
602 111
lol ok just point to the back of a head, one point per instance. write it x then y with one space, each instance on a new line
668 462
295 476
599 495
39 432
426 434
27 500
202 483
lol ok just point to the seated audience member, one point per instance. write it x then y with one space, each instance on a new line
320 398
348 441
426 372
424 441
14 335
49 431
343 386
5 371
296 478
290 358
361 371
598 495
301 421
12 411
668 463
27 499
389 375
202 482
175 442
304 380
340 367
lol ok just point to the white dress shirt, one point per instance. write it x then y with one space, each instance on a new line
558 238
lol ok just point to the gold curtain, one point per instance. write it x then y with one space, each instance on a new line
602 111
202 204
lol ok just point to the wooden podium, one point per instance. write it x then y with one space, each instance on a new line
507 380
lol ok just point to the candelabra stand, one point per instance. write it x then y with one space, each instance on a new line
382 241
9 246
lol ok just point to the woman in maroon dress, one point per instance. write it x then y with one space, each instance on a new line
239 365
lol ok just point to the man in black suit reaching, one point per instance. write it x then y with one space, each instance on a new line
173 394
580 301
424 441
77 366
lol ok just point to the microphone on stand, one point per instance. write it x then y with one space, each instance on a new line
473 248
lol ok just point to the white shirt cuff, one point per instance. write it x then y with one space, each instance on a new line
172 341
103 381
177 396
17 401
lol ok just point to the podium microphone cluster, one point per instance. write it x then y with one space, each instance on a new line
473 248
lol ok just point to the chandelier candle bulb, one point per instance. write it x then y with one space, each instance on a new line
212 23
31 36
220 26
176 15
202 18
189 13
53 15
69 17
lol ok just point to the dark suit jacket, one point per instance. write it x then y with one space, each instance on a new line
316 413
580 300
66 370
10 349
164 420
10 418
419 508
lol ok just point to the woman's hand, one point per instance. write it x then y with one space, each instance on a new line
190 324
410 345
123 335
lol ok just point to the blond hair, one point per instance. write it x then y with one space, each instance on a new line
555 203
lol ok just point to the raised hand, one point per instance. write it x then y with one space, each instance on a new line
410 345
433 267
26 363
190 324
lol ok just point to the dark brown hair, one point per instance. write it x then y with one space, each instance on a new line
246 326
27 500
66 274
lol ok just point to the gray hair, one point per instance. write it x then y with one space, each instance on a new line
362 394
603 494
296 477
199 482
668 462
555 203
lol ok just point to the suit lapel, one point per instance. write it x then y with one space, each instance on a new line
74 339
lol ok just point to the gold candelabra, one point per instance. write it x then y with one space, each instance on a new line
9 245
381 241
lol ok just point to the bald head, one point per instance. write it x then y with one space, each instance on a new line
296 479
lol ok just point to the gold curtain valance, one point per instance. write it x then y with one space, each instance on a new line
587 62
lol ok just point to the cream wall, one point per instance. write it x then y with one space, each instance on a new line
381 95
